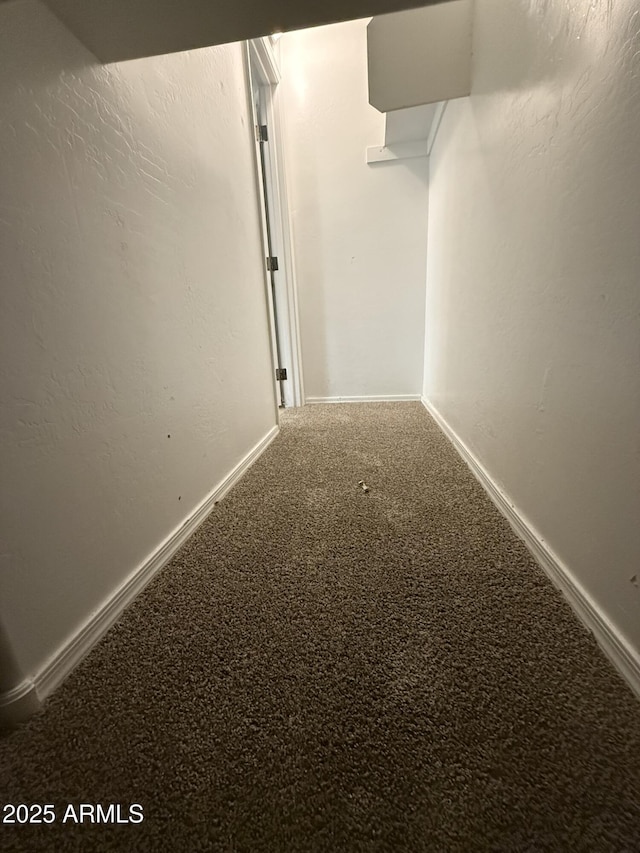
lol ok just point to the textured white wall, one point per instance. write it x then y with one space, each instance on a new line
358 229
132 309
533 296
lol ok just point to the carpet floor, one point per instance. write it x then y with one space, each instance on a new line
324 669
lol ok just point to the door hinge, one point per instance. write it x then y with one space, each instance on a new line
281 373
272 264
262 134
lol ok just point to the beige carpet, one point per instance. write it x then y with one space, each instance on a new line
321 669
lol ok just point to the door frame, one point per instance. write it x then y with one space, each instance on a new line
263 72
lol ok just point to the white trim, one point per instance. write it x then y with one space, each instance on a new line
376 398
262 53
252 68
18 704
253 118
263 73
619 651
71 653
435 125
396 151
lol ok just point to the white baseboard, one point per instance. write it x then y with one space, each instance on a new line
621 654
71 653
382 398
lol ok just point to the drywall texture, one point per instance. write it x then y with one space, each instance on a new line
134 353
358 229
533 304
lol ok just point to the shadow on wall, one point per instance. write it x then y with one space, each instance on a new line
452 122
24 21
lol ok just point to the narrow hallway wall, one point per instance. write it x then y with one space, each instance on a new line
533 297
134 354
358 229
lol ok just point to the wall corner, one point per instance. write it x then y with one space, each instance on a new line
19 699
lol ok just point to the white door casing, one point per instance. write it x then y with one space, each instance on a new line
264 77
